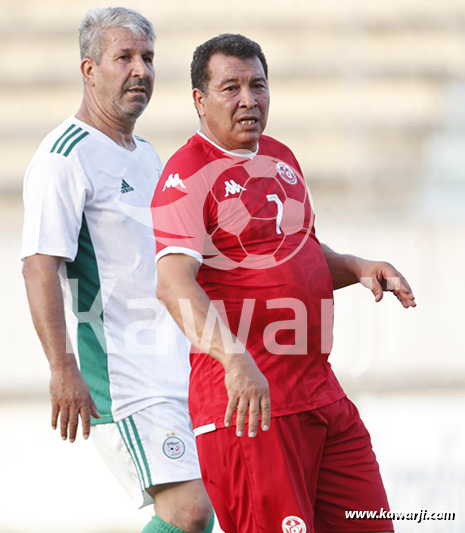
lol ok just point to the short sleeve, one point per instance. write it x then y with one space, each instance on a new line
178 212
55 191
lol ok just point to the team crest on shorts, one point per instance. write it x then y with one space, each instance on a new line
174 447
294 524
286 173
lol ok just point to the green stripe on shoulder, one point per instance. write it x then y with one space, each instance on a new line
68 140
61 137
70 136
73 144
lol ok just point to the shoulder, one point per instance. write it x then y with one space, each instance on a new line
55 161
190 158
274 148
66 140
270 144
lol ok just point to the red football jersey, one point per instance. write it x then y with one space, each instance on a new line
249 220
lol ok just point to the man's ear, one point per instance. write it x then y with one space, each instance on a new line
88 71
199 103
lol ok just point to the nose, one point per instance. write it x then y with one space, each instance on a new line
248 98
140 69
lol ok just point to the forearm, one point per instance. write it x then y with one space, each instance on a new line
343 267
46 304
191 308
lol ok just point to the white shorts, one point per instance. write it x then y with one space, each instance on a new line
150 447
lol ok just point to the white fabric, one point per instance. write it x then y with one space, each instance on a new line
157 427
179 250
147 352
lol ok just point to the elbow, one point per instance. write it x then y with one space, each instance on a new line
163 291
26 271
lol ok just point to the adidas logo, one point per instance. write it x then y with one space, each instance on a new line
125 187
173 181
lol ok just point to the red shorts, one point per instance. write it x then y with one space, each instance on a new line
300 476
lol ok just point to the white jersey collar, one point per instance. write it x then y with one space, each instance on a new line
234 153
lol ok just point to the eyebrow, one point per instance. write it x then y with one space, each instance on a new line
235 80
131 50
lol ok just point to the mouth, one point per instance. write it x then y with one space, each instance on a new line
248 121
137 90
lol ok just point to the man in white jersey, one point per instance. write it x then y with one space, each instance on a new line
88 248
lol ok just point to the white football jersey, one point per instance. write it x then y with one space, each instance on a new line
87 200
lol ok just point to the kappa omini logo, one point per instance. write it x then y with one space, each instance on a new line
173 181
174 447
286 173
294 524
231 187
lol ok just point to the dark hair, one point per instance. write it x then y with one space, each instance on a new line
229 44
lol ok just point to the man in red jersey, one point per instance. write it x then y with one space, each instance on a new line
242 272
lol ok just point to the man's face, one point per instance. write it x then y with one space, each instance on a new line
234 110
123 81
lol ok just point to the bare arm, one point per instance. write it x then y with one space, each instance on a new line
378 276
69 393
246 386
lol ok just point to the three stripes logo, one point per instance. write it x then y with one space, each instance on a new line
125 187
66 142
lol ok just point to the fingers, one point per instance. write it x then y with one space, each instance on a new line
85 419
255 407
55 411
405 294
265 409
64 419
241 415
93 409
376 289
73 424
254 411
69 419
230 410
401 289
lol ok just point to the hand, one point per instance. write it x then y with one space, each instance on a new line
379 276
247 391
70 399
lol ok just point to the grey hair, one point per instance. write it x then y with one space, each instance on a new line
98 20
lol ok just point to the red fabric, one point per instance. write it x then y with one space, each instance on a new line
252 221
314 466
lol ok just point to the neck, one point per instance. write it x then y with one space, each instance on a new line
239 149
119 132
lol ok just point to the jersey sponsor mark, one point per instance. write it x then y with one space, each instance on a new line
125 187
173 181
286 173
68 139
294 524
231 187
174 447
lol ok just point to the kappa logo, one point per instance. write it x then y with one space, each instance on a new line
286 173
173 181
125 187
294 524
232 187
174 447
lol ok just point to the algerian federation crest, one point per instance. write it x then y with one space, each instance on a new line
286 173
174 447
294 524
